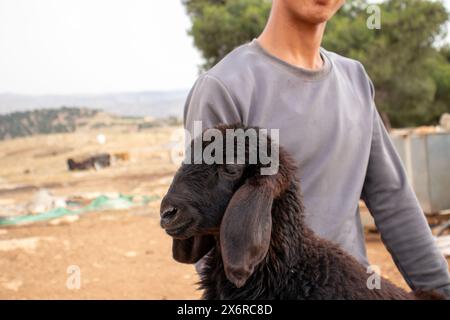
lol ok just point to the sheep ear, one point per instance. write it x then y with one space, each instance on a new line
245 232
193 249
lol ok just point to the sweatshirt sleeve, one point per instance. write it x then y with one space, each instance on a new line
399 217
209 102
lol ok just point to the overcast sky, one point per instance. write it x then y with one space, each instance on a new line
92 46
95 46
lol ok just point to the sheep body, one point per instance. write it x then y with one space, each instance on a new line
298 265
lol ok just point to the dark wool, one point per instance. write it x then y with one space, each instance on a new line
298 265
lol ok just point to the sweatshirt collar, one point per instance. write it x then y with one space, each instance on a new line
304 73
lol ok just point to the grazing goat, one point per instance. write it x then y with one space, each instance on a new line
249 229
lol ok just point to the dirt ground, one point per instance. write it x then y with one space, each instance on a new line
118 254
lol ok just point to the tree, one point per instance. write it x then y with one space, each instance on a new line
400 57
440 71
218 26
410 75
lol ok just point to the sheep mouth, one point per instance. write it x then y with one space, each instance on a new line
177 231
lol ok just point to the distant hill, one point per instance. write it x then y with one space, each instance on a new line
63 120
147 103
21 124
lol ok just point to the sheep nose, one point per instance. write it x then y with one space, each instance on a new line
168 214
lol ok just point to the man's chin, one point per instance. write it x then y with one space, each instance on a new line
319 18
314 19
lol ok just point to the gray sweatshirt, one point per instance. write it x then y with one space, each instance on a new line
328 122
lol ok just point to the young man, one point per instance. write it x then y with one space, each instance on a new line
323 105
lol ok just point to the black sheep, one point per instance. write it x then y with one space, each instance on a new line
249 228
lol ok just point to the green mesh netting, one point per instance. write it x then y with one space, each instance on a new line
98 204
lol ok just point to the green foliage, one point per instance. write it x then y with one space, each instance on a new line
410 75
219 26
445 51
440 72
400 57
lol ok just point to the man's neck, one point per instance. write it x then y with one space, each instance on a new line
294 42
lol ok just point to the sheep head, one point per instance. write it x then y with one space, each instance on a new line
229 200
